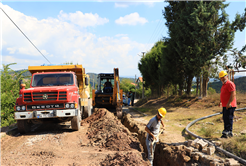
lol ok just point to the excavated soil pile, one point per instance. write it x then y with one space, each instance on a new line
121 159
106 131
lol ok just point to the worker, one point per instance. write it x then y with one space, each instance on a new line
132 98
107 87
228 102
153 129
129 97
108 83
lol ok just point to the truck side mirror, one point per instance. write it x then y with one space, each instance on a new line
23 86
20 82
86 81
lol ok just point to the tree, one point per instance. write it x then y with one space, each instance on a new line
150 68
172 67
10 92
126 85
200 31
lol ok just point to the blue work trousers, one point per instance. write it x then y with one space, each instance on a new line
149 148
129 100
228 118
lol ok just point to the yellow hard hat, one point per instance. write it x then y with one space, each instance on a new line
222 74
162 112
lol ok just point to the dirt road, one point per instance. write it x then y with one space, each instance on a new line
101 140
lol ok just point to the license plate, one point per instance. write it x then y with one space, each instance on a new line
46 115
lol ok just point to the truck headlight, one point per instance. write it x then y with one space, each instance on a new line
72 105
67 105
18 108
23 108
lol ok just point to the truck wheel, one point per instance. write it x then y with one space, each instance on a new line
81 112
23 126
75 123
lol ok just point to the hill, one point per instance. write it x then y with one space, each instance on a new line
239 82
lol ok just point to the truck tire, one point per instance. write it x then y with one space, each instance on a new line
75 123
23 126
82 112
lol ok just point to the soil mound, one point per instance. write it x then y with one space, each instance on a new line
106 131
121 159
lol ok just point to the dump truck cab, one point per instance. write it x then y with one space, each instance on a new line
57 93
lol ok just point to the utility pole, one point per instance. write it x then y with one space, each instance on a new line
135 87
143 92
143 54
93 82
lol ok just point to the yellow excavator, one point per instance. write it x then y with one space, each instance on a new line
108 94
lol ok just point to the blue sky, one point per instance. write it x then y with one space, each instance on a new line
99 35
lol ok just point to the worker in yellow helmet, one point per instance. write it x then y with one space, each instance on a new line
228 102
153 129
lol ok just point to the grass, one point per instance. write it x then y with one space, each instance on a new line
236 145
208 132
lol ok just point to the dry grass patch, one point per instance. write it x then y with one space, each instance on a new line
236 145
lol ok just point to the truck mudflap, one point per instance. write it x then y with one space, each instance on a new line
45 114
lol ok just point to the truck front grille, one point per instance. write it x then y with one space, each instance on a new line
27 97
45 96
62 96
40 96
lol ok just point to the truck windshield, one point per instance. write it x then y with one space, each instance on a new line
52 79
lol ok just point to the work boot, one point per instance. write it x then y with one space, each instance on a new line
224 136
230 134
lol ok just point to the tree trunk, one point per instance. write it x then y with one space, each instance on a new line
189 84
175 89
168 90
180 89
197 85
200 91
205 86
154 91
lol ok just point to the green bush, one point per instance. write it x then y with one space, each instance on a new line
9 93
211 91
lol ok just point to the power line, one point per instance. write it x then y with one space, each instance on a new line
25 35
160 32
155 29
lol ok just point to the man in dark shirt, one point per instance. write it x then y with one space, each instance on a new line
108 83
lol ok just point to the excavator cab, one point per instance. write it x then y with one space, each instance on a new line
108 94
105 83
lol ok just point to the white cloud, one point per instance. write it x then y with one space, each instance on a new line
121 5
131 19
83 20
61 41
127 4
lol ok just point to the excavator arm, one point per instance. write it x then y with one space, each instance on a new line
117 95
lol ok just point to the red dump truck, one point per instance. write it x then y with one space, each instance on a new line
57 93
